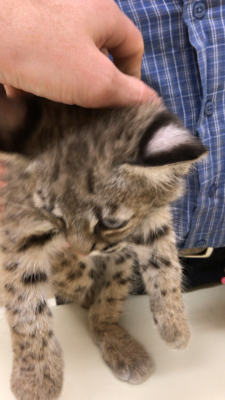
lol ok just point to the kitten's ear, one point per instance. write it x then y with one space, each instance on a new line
166 141
17 118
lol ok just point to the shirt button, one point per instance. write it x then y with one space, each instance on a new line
199 10
209 108
212 190
200 243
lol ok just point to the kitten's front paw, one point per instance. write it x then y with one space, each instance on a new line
127 358
132 368
176 333
38 380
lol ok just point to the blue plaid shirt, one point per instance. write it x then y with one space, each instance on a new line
184 62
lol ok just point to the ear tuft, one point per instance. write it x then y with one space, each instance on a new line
166 141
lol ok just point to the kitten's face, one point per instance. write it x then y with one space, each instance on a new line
103 218
98 181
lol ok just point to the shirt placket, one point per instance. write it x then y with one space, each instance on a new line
201 18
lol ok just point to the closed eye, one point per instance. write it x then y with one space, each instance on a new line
62 220
57 213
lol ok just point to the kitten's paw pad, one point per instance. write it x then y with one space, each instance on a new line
176 335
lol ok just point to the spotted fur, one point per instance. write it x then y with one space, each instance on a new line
87 212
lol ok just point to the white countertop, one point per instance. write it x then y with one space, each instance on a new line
197 373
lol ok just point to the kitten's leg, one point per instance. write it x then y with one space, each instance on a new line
37 358
162 276
78 280
126 357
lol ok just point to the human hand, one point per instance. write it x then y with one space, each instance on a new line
52 49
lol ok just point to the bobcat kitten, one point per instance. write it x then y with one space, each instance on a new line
87 212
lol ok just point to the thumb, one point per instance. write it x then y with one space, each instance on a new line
128 91
109 87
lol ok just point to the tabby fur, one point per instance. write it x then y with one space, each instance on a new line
87 213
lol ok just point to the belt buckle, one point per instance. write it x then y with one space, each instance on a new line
207 254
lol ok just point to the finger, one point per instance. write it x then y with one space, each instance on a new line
108 87
104 51
125 43
129 91
13 92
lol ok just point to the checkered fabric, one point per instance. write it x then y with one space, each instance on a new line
184 62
